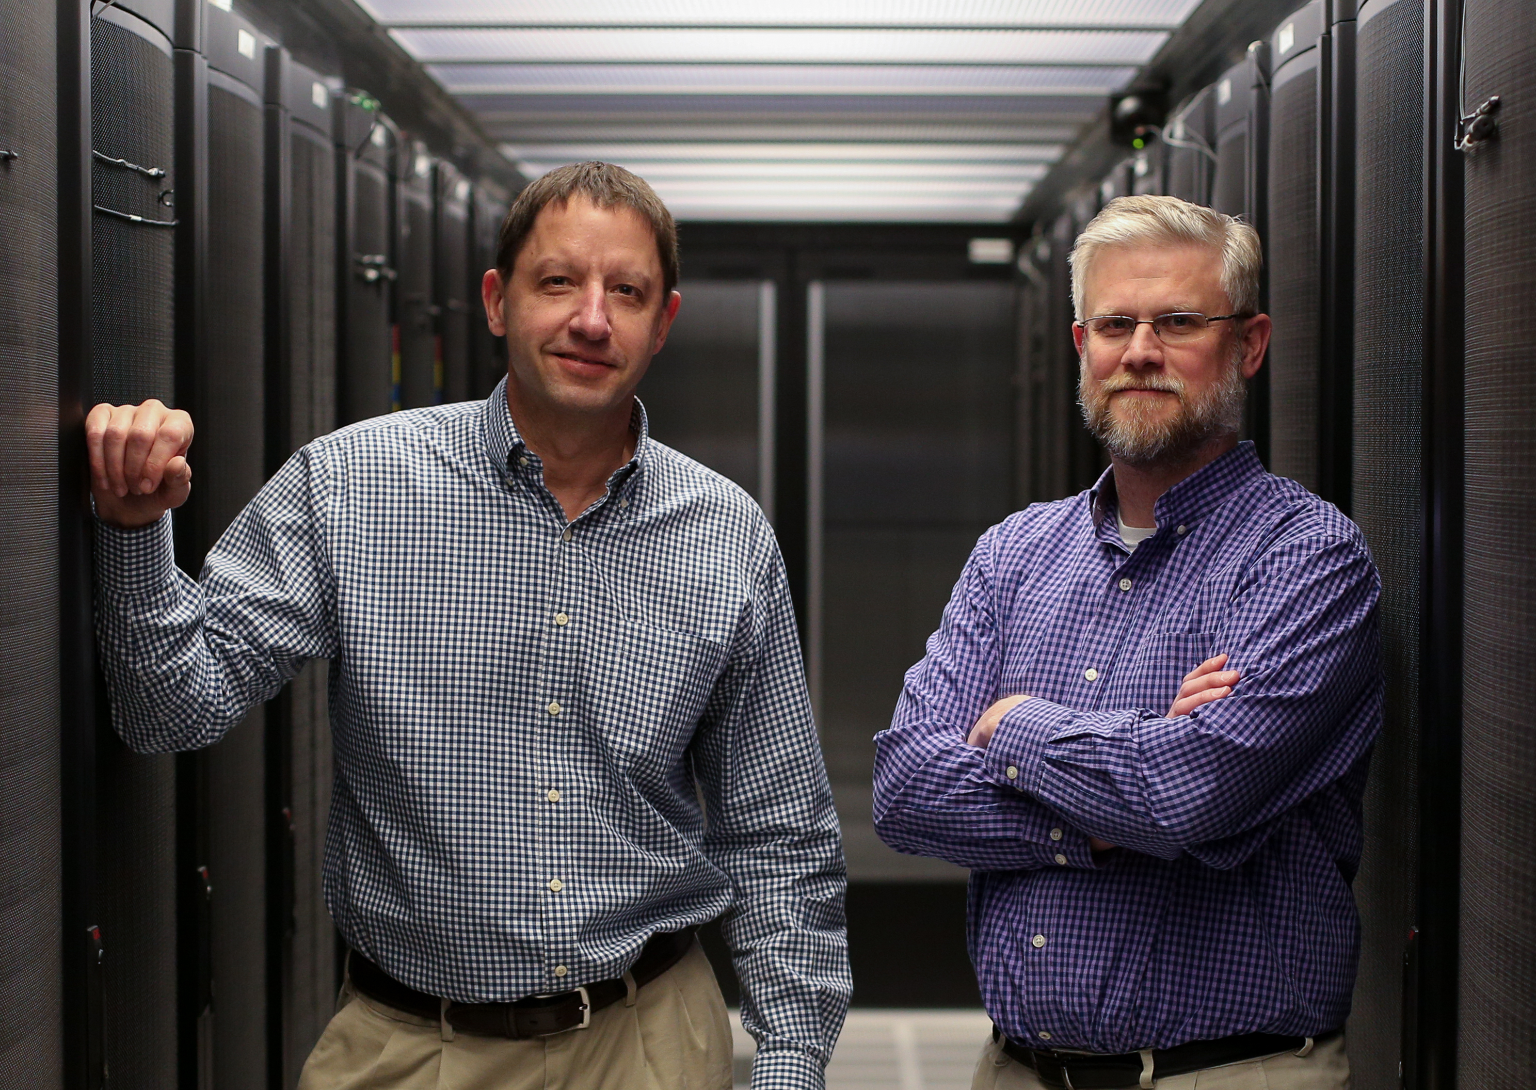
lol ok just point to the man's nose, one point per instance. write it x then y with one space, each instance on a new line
591 317
1145 348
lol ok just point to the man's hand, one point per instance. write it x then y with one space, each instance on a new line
1203 684
139 467
981 733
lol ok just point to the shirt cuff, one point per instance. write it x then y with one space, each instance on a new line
135 562
1016 754
787 1069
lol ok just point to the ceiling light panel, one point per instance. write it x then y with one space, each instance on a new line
767 79
1000 174
779 46
741 151
872 13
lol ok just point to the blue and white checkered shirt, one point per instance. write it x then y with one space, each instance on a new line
1227 907
552 739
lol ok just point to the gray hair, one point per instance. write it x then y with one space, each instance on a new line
1168 221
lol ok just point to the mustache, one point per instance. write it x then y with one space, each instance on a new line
1165 384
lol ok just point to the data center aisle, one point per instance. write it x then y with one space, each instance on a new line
893 1050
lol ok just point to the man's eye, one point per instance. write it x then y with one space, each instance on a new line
1116 326
1180 321
625 289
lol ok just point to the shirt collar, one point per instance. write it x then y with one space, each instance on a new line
503 441
1192 498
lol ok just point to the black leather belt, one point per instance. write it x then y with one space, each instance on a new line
1095 1071
534 1016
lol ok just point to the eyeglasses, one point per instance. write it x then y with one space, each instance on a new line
1174 328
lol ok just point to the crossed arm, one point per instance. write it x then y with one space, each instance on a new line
1203 684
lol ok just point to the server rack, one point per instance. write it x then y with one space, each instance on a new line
1239 186
1149 169
31 849
1311 210
452 279
488 358
301 400
1191 139
221 317
135 201
1498 751
1388 493
365 142
417 377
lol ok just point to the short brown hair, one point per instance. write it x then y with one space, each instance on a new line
606 186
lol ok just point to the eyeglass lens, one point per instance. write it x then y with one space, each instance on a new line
1170 327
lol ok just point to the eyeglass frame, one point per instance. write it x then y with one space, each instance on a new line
1083 324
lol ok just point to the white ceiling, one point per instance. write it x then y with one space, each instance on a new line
927 110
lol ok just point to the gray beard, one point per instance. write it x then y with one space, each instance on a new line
1141 442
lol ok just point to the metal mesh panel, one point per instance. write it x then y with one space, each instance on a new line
311 281
1294 295
1189 169
230 389
366 382
1497 1047
1387 502
413 296
131 314
1229 189
311 411
488 358
454 310
31 1047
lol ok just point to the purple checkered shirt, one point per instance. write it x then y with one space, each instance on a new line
1227 906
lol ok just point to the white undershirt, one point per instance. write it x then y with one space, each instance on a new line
1133 535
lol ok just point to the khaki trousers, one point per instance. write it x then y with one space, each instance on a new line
677 1036
1324 1068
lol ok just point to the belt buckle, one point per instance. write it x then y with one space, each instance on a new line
586 1011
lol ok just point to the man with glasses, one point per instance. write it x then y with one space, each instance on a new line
1145 720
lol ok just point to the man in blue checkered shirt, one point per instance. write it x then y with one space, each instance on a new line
1145 720
569 715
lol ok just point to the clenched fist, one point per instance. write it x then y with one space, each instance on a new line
139 467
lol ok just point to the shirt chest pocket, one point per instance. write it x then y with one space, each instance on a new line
1158 666
648 688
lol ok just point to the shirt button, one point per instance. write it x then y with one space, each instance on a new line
522 461
567 535
553 796
556 885
1091 674
561 619
1062 860
1125 584
1013 772
560 970
554 707
1055 834
1183 530
1037 942
623 503
1043 1035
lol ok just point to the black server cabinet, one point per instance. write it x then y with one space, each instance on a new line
453 304
1191 138
1388 498
301 403
365 143
1498 856
415 327
221 378
1239 186
1032 369
1311 213
488 353
1149 169
31 818
133 245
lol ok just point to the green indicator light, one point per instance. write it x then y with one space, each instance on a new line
1138 143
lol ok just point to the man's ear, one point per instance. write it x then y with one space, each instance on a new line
1255 337
1077 339
668 313
491 296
